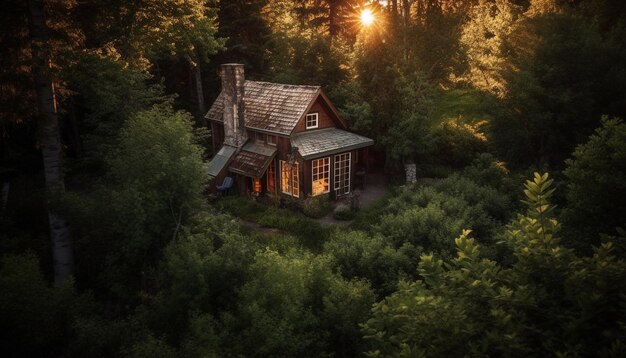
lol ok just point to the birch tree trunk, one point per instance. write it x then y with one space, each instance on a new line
50 141
197 72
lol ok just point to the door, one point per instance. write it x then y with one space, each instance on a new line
342 174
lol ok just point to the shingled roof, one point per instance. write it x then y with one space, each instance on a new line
322 142
253 160
271 107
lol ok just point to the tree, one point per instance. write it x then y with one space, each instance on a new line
154 187
48 124
596 185
483 36
248 34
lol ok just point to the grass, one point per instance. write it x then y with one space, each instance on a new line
309 233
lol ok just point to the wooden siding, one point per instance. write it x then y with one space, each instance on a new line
326 117
283 145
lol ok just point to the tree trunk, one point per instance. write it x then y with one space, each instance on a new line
333 26
50 141
197 72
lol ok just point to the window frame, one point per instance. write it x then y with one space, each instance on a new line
293 178
312 115
338 160
275 138
325 169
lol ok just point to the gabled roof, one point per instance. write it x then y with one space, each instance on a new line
271 107
323 142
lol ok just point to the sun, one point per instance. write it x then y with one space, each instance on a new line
367 18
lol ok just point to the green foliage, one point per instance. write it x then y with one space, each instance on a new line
310 234
248 35
596 185
111 94
564 80
457 143
425 218
409 132
294 304
488 171
482 198
34 316
489 25
428 216
316 206
155 184
549 302
343 212
356 254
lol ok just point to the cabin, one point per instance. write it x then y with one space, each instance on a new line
282 139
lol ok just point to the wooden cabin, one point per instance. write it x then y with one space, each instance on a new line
279 138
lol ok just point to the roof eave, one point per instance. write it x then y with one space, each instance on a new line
338 150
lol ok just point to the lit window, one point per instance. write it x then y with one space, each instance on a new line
289 179
256 185
342 174
271 139
320 183
271 177
311 120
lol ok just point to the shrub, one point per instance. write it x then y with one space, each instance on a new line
371 257
547 302
316 206
343 212
458 143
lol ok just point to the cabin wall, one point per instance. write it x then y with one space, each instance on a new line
283 146
326 118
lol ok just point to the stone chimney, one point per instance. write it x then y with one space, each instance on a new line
234 107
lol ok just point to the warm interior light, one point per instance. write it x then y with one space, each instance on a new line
367 18
256 185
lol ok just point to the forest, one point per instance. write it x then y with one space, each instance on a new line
514 245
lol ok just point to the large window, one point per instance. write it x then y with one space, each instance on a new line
271 177
320 183
289 179
311 120
342 174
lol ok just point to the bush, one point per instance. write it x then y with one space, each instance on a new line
547 302
371 257
316 206
457 143
428 217
343 212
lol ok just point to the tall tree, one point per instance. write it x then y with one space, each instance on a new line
50 141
